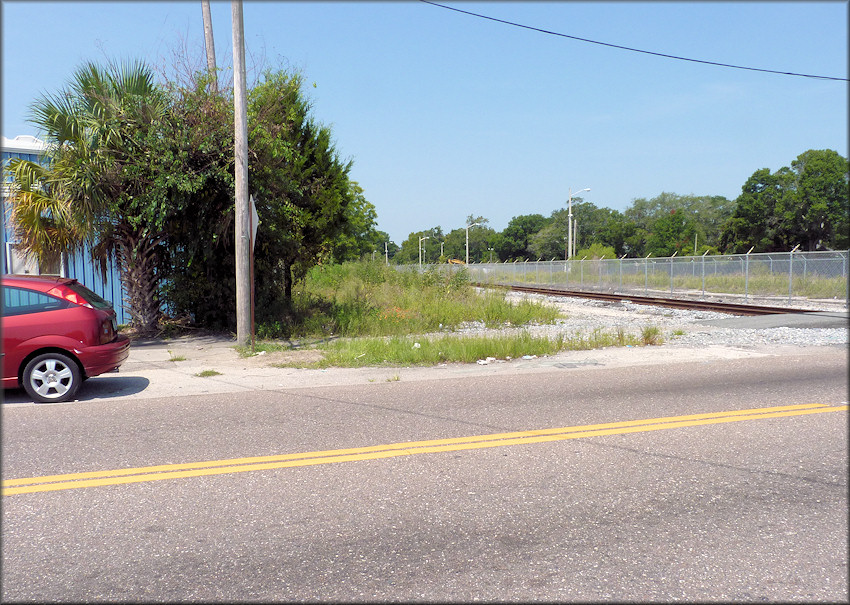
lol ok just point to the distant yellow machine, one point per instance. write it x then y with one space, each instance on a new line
454 261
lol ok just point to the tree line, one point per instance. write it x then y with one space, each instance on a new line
805 204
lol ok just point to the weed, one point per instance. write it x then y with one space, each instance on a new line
621 336
207 373
176 357
651 335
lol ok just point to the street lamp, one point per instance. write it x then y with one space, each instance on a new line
420 249
467 240
491 255
570 223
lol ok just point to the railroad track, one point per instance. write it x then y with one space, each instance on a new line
673 303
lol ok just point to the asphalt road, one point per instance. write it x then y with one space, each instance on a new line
708 503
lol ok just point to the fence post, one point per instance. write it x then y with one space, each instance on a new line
621 272
747 276
646 273
671 271
791 271
703 273
600 272
846 280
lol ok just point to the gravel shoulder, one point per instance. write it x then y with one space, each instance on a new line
163 368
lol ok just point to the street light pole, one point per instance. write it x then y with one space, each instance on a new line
467 240
570 222
420 249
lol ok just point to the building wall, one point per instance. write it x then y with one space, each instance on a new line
78 265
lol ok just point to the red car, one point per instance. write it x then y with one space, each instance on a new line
56 334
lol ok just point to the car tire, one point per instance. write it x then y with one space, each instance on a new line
52 378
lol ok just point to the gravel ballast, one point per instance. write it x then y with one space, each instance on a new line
682 328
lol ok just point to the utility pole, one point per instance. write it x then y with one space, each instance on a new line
209 43
243 210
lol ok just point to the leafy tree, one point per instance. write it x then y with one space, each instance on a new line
300 184
513 242
626 237
596 225
551 241
806 204
707 215
596 251
102 186
201 280
479 240
821 209
757 220
670 235
382 237
408 253
359 236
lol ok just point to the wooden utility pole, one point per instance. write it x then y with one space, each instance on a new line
243 210
209 43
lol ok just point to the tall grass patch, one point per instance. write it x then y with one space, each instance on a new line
371 299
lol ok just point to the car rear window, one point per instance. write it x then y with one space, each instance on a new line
93 299
20 301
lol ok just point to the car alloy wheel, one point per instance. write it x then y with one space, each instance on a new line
52 378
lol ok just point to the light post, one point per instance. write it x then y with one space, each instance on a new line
420 250
575 236
491 255
570 222
467 240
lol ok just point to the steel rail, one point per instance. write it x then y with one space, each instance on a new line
673 303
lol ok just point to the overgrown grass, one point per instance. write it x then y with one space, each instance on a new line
371 299
367 314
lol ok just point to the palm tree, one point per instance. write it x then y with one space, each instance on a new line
91 193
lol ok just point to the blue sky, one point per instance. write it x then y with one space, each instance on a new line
446 115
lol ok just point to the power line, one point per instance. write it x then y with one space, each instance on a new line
635 50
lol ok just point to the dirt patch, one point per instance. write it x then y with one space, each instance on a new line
296 358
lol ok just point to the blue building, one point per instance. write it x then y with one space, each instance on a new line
77 265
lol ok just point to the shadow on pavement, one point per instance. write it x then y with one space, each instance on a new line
99 387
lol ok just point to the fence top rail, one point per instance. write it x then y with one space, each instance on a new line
837 255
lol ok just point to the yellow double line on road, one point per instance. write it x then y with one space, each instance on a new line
49 483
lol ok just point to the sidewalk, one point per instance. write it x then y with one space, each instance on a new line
175 367
149 372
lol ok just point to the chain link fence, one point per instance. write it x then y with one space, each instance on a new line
792 277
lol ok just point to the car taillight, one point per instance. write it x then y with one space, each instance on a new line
70 296
107 331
